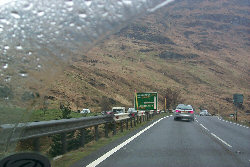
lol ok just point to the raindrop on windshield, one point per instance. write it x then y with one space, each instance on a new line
88 3
19 47
28 6
23 74
40 13
69 3
5 66
15 14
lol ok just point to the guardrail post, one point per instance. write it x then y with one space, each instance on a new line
82 137
126 124
106 130
140 119
64 142
134 121
121 125
131 122
96 133
114 129
36 144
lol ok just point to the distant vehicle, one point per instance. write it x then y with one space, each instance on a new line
132 112
117 110
183 111
107 112
85 111
204 113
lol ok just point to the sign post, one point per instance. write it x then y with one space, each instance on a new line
165 105
146 101
238 100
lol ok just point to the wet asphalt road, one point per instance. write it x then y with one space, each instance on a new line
206 142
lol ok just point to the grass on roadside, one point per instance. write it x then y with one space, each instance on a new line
71 157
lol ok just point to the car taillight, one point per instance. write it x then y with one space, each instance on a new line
177 111
191 112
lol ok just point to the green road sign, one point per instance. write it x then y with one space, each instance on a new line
238 98
147 101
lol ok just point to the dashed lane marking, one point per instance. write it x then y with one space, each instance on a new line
204 127
221 140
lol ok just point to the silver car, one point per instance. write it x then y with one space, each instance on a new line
183 111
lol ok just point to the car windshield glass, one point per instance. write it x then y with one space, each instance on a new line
64 62
185 108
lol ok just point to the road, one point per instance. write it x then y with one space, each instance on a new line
207 142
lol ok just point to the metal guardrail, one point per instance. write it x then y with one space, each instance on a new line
121 116
45 128
35 130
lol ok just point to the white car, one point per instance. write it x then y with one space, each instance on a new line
85 111
204 113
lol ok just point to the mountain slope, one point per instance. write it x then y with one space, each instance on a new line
199 47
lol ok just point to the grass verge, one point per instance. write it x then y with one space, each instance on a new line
71 157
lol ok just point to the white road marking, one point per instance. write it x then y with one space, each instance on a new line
171 115
221 140
196 120
109 153
204 127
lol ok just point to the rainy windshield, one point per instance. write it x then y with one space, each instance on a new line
60 57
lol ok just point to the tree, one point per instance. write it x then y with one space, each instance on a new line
106 103
66 111
45 104
173 97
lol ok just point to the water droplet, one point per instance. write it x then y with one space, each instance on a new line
72 25
7 79
27 6
6 47
70 9
40 13
53 23
5 66
39 66
69 3
5 21
40 36
127 2
6 98
29 53
1 29
19 47
15 14
82 15
23 74
88 3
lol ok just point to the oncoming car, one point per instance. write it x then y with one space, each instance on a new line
183 111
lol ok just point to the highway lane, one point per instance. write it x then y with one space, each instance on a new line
237 136
169 143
